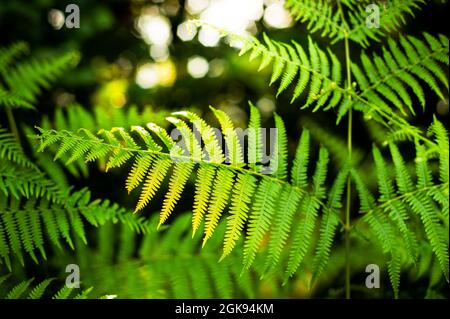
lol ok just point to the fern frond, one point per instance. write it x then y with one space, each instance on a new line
392 16
396 209
19 290
422 206
191 273
212 147
137 173
310 207
181 173
219 199
242 194
314 72
11 150
13 100
329 222
152 182
38 291
287 207
25 289
260 218
384 232
202 192
25 226
402 67
335 21
404 201
251 195
234 147
278 163
322 16
27 78
8 54
441 135
255 142
320 80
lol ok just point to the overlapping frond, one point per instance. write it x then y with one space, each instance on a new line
363 16
361 21
8 54
25 225
26 79
191 272
403 202
312 71
74 117
320 15
394 77
27 290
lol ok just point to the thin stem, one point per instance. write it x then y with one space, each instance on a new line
349 181
12 123
347 209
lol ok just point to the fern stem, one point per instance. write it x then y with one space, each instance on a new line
349 182
347 210
12 124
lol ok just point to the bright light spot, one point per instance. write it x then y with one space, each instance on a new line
155 29
170 8
233 15
277 16
234 43
186 31
196 6
167 73
208 37
217 67
442 107
266 106
112 94
159 52
150 75
197 67
147 76
65 99
56 18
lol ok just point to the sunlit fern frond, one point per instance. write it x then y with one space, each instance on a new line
312 71
74 117
251 190
391 79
